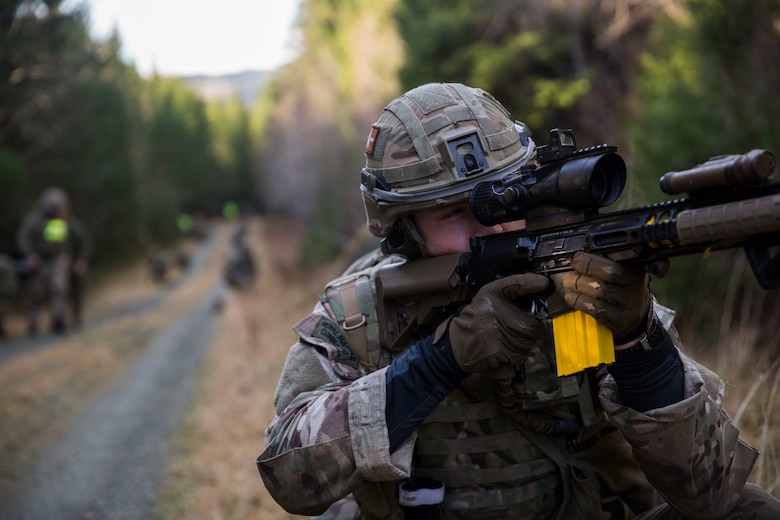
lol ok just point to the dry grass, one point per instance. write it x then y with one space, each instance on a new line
753 400
44 388
747 358
758 417
215 476
756 411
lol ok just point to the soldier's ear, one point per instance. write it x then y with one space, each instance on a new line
400 242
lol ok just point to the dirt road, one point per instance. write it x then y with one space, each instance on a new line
102 440
109 462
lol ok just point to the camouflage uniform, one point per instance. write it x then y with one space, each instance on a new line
52 272
329 439
7 288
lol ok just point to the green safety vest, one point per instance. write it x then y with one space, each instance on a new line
55 230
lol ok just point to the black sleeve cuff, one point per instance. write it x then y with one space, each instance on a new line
416 382
649 378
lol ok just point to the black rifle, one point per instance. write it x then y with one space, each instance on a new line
730 204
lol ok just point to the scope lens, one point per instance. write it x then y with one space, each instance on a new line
590 181
598 186
608 179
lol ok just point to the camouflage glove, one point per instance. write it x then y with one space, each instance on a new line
493 331
616 295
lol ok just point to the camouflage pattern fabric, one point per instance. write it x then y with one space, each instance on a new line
754 503
50 281
52 278
345 509
351 300
703 435
7 278
329 441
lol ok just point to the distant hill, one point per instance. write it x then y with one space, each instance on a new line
247 85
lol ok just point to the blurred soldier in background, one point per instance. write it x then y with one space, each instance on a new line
157 264
240 268
7 288
56 248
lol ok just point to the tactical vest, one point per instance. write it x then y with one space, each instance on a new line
52 238
505 448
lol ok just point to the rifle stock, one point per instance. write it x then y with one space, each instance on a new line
743 214
413 294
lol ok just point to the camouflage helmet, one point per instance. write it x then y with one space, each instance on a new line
432 145
53 202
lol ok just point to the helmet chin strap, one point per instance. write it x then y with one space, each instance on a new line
405 240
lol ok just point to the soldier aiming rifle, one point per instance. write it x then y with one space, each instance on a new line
439 396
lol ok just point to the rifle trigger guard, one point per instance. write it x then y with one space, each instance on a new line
538 308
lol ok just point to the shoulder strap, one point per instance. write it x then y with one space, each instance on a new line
351 300
342 295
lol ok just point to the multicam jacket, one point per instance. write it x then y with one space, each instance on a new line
329 438
31 238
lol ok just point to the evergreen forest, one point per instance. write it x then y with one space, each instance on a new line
670 82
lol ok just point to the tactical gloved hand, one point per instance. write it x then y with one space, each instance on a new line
493 331
617 295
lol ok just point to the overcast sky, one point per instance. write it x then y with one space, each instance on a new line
185 37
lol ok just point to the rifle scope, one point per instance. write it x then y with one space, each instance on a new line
587 179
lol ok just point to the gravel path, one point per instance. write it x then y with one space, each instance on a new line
110 461
197 263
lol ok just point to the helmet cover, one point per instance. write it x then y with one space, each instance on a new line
432 145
